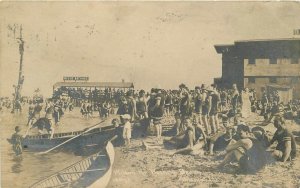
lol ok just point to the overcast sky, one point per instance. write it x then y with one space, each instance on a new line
148 43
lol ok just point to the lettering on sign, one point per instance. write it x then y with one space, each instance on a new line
76 78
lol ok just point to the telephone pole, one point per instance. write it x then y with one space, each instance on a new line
18 88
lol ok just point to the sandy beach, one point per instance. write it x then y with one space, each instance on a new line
155 167
158 167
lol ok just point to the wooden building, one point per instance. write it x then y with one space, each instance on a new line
258 63
98 85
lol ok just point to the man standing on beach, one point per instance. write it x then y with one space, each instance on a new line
131 105
198 104
213 114
206 107
185 107
142 110
157 113
235 98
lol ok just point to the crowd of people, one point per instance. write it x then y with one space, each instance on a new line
96 96
212 120
206 119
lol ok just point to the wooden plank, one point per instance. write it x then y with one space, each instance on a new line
60 179
57 180
76 169
52 179
92 170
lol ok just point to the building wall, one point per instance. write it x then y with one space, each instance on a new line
232 71
261 82
262 67
274 59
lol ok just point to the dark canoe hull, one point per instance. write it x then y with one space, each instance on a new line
92 172
95 138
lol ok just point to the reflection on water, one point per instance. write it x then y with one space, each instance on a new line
17 166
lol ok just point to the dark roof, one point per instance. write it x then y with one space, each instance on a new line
268 40
223 48
95 84
282 48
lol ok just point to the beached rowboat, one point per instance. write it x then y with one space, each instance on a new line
92 138
92 172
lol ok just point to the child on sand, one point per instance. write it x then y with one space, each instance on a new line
127 129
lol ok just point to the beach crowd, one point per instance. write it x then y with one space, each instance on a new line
206 119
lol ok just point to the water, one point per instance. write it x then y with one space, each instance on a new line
25 170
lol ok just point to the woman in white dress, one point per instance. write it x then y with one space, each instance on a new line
246 104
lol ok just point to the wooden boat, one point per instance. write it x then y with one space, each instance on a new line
92 172
92 138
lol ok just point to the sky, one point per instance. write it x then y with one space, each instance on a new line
152 44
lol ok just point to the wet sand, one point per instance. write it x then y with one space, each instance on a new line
137 167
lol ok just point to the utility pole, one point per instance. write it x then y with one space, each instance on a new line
18 88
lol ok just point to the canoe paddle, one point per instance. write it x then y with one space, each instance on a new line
88 130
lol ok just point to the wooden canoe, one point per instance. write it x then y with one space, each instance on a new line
93 137
92 172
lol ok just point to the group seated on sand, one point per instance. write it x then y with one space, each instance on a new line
252 148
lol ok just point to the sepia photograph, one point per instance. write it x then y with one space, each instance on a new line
154 94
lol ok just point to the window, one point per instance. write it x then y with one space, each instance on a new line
251 80
294 60
273 80
251 61
273 61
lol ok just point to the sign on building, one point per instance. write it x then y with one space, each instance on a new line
76 78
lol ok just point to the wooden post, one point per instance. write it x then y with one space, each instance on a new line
21 77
